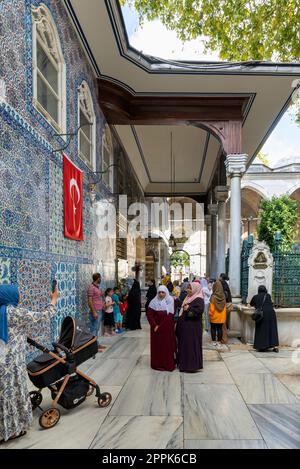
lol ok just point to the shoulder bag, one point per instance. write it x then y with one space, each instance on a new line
258 314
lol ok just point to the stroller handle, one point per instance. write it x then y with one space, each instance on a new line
36 345
62 347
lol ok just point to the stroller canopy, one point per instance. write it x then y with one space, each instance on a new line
73 334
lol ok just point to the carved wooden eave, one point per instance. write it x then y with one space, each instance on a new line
222 116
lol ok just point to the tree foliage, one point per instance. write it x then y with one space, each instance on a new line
180 258
278 214
240 30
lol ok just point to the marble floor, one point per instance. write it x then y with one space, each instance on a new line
241 399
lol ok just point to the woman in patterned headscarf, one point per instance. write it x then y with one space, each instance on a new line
217 312
15 325
189 330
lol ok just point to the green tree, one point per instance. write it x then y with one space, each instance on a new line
180 258
241 30
278 214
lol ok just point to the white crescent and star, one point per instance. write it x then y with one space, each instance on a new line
73 183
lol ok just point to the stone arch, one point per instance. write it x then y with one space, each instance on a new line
45 35
293 189
252 196
256 188
86 106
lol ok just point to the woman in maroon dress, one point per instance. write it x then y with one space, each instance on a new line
189 330
163 342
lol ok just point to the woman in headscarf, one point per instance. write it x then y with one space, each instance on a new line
224 281
217 312
15 325
266 332
190 330
151 293
133 317
163 342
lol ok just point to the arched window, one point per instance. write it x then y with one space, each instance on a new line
107 158
86 122
49 69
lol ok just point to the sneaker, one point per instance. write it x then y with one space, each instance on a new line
113 333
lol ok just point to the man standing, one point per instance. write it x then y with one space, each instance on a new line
95 301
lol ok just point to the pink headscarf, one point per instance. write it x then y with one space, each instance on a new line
196 293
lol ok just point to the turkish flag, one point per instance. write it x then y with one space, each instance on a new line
73 194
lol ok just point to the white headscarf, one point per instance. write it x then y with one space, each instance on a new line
167 304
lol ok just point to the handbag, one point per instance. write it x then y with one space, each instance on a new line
258 314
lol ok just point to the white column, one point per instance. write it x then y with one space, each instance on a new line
213 210
207 220
221 195
235 167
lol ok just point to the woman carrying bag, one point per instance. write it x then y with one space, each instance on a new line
266 331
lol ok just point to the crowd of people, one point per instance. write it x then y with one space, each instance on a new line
113 311
177 316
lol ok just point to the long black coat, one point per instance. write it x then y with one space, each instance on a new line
189 332
151 293
133 317
227 291
266 332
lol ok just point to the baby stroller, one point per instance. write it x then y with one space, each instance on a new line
57 371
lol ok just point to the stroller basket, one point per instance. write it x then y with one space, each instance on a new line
45 370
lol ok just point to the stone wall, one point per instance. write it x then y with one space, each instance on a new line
33 248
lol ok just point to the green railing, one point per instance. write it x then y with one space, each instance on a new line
286 276
246 250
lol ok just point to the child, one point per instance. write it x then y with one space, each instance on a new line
124 307
117 313
109 322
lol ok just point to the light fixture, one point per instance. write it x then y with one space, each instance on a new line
172 242
93 182
70 136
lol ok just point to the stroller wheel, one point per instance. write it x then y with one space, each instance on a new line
36 399
49 418
90 391
105 399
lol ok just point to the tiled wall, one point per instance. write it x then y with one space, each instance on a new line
32 244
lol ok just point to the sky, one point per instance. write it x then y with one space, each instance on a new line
154 39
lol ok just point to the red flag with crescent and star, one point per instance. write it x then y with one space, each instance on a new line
73 195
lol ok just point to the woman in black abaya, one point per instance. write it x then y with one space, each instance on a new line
133 318
266 332
151 293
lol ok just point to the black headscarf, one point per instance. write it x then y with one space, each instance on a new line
262 289
135 291
152 291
